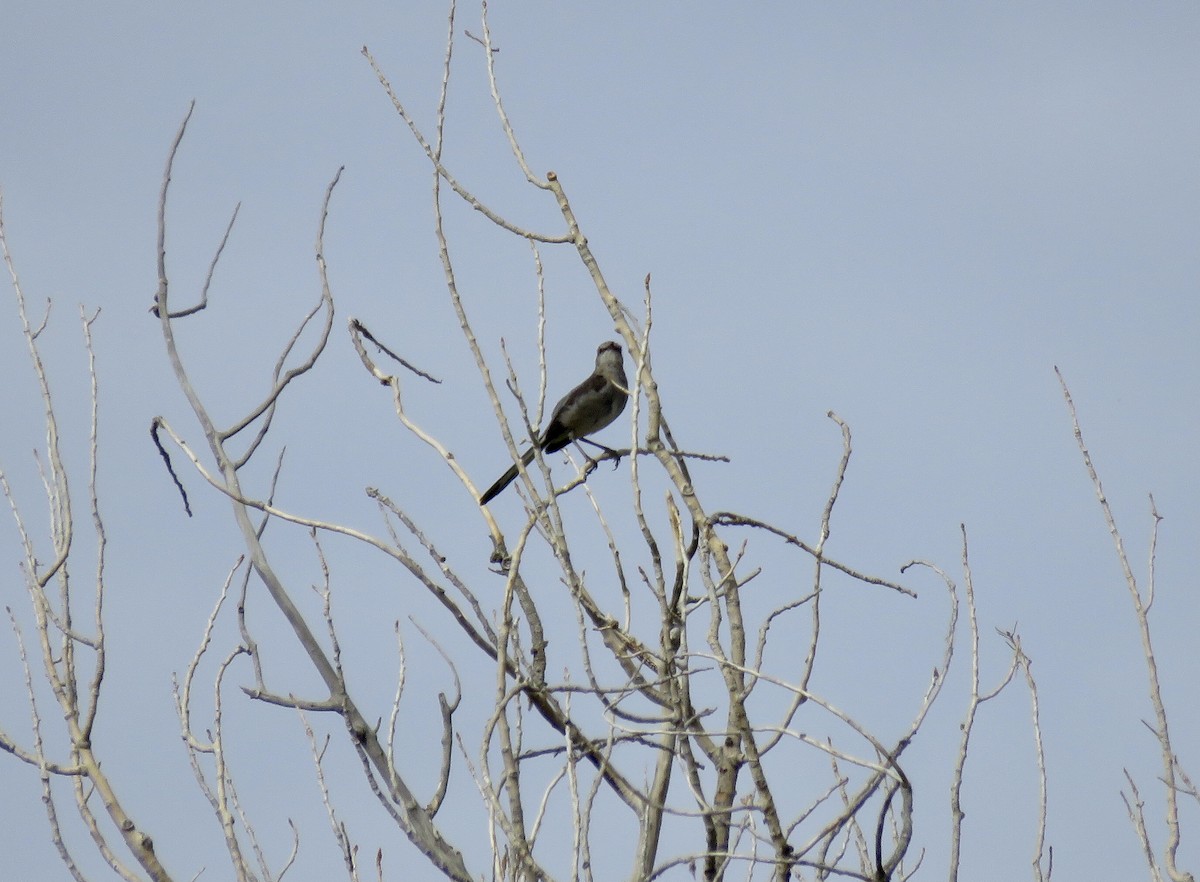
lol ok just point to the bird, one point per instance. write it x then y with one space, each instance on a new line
587 408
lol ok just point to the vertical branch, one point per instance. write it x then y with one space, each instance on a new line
217 796
1141 610
509 133
968 722
1014 642
57 637
967 725
61 523
512 822
92 704
37 757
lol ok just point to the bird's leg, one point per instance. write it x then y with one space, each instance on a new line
614 455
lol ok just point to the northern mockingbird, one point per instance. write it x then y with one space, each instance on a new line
587 408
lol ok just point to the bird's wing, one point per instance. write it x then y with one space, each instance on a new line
566 418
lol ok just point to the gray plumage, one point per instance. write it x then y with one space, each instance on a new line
587 408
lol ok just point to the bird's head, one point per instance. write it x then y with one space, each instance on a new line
609 352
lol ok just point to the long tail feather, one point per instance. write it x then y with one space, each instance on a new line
505 479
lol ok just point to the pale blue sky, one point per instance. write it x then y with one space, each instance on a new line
907 213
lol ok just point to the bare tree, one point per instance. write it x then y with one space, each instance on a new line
674 715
